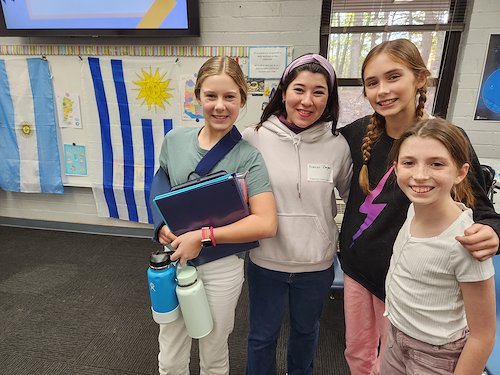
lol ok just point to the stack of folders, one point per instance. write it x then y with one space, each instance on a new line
213 202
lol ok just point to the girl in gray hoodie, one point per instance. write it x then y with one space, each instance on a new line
306 162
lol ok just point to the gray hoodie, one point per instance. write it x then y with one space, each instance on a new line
304 169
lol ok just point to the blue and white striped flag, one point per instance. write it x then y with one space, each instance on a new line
132 103
29 153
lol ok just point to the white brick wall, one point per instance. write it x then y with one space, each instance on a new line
484 135
294 23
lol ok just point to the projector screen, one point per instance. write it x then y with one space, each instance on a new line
99 18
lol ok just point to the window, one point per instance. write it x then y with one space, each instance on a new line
351 28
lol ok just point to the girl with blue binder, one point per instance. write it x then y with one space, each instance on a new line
306 162
221 90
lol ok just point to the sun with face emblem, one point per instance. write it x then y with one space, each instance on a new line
153 89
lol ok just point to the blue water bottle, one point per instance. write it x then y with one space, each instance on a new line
162 284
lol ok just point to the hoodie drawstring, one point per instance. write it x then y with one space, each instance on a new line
296 142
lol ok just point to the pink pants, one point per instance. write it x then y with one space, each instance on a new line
406 355
366 329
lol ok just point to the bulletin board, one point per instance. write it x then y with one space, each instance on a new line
67 63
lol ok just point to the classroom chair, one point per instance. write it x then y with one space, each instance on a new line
493 364
489 178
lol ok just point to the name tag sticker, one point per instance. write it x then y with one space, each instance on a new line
320 172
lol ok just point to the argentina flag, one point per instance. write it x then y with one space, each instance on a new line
29 152
132 103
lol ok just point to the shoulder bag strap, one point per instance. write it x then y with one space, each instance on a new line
216 153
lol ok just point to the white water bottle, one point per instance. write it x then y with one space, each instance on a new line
193 303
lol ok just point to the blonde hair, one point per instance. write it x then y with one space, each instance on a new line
222 65
454 141
405 52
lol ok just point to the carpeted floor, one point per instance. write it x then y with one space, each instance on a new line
78 304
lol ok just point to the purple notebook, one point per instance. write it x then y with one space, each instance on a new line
215 203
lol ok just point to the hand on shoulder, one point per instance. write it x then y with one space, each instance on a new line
481 240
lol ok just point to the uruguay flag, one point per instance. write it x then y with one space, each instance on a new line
132 103
29 153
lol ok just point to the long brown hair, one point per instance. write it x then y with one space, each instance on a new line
405 52
454 141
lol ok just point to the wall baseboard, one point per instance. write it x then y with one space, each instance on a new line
75 227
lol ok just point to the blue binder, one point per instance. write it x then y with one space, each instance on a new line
215 202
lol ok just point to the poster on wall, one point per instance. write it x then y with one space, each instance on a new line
191 108
75 160
266 62
68 111
488 102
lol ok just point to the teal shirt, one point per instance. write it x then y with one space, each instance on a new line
181 153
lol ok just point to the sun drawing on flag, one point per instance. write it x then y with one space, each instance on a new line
153 89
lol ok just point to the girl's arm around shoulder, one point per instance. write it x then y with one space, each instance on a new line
479 301
482 240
